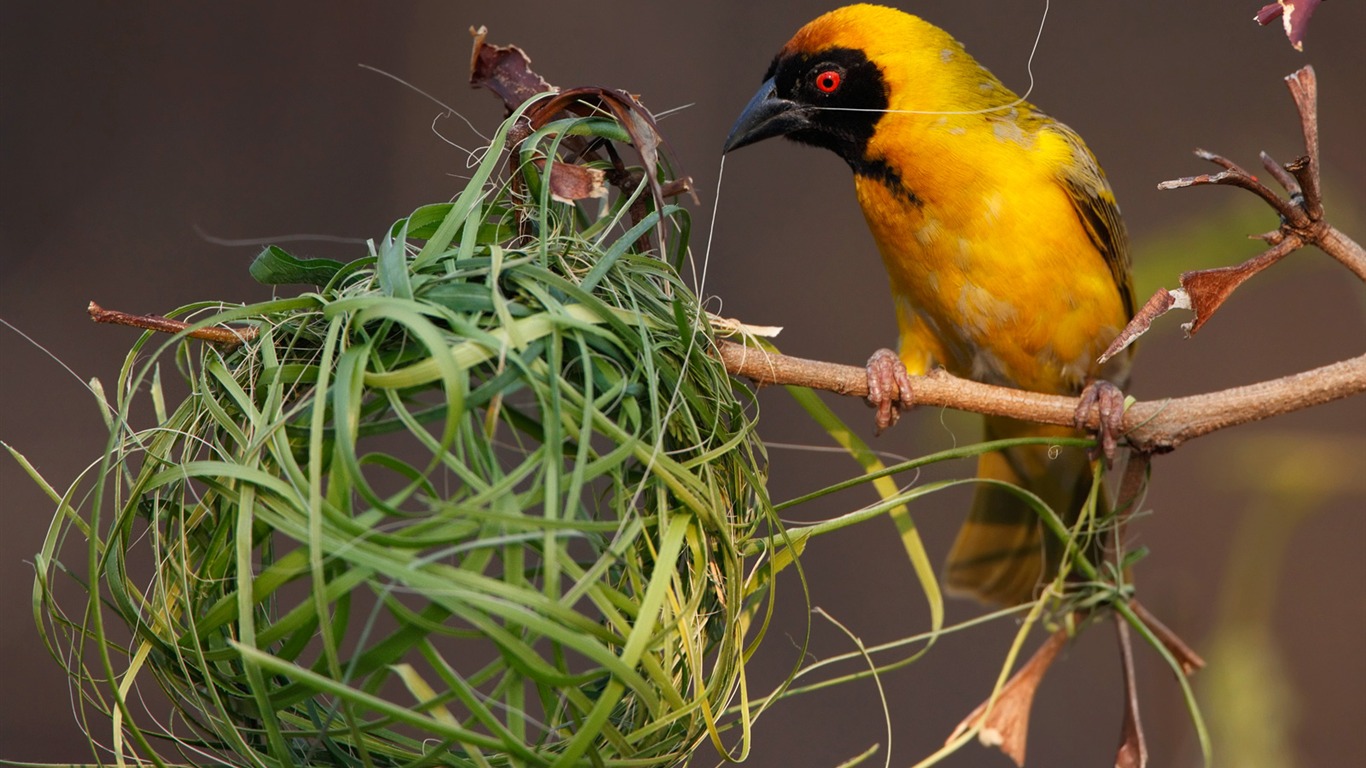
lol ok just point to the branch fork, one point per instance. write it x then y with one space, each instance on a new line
1300 211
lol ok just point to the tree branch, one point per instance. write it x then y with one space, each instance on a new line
1301 214
1152 426
1343 248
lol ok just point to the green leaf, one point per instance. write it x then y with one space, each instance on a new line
275 266
423 223
392 261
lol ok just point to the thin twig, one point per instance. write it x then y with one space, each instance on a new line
1233 175
1304 89
1280 174
223 335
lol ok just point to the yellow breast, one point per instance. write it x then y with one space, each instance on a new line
994 274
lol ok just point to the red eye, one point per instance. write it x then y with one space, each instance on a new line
828 81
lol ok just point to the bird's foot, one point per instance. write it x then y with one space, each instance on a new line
1109 402
889 388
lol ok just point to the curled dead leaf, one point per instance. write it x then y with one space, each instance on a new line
639 124
1003 721
570 182
1157 306
1202 291
1294 17
505 70
1208 289
1133 749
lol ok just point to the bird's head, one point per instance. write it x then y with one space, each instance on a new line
832 83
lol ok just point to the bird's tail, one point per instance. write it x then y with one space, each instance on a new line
1002 554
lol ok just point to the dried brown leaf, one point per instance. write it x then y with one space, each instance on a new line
1133 749
1294 16
1268 14
1004 721
1161 302
505 70
570 182
1208 289
1185 656
676 187
639 125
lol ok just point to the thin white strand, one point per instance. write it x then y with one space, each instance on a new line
58 361
672 110
430 97
699 285
470 160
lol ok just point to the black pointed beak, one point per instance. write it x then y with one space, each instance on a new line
765 116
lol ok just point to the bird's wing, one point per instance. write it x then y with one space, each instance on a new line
1099 213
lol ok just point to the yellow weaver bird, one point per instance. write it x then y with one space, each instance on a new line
1007 257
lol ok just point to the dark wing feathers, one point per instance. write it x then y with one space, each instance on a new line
1099 213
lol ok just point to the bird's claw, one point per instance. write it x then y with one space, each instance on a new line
889 388
1109 403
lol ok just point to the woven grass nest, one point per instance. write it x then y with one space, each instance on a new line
480 499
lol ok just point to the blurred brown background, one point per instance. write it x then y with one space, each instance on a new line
132 135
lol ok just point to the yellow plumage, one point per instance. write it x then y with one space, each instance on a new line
1003 245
